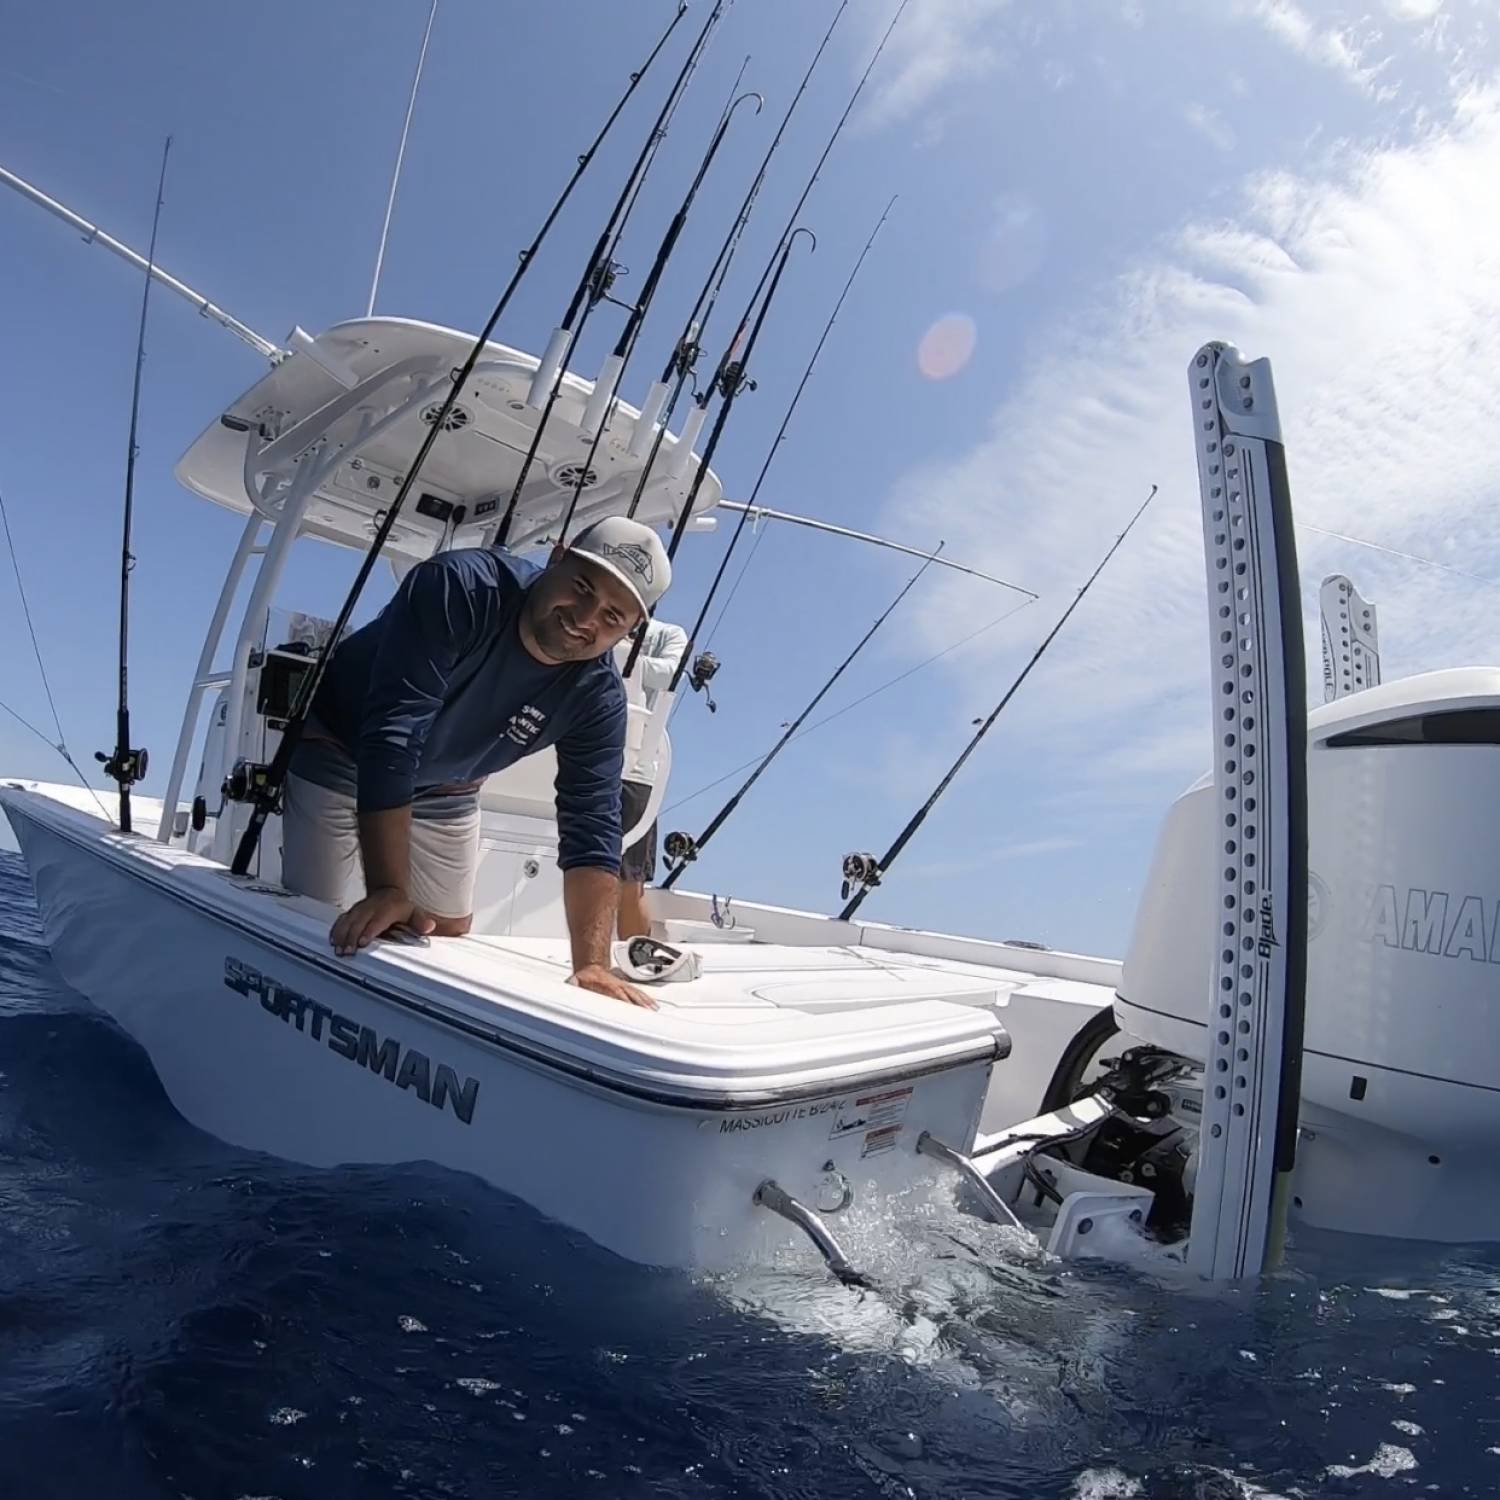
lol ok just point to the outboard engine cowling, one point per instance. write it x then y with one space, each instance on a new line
1401 1075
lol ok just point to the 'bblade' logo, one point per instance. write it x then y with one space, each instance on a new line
1267 944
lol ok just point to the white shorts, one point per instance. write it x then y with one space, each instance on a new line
320 852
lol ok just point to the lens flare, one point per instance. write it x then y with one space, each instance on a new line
947 346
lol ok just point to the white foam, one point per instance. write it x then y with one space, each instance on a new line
1389 1461
1105 1484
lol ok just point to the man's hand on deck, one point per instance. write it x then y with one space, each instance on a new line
603 981
384 908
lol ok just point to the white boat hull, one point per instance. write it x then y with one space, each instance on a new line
280 1047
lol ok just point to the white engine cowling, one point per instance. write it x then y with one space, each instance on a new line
1401 1074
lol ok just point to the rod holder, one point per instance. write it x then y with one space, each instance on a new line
645 424
546 372
602 394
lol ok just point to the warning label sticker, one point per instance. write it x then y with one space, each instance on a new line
871 1113
878 1141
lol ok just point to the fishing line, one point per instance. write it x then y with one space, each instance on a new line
60 745
862 872
683 849
864 698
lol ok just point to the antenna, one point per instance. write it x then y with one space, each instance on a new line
390 202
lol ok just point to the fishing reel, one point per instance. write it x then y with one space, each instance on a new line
861 873
733 380
250 781
705 666
604 278
125 766
680 848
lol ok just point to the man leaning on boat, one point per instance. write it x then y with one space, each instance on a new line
479 659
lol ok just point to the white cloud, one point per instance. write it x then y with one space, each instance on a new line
1327 46
1375 290
1210 124
938 44
1414 10
1015 244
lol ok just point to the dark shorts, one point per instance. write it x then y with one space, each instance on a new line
638 864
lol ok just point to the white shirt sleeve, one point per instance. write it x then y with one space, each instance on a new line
661 655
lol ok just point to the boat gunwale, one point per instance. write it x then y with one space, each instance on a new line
994 1048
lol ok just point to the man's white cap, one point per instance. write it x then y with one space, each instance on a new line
632 552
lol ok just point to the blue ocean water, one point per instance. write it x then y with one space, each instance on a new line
179 1318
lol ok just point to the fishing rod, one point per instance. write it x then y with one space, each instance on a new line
696 417
266 781
838 130
613 371
127 765
772 451
598 276
661 400
730 379
682 848
863 872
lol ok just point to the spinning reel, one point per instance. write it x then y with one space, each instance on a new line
705 666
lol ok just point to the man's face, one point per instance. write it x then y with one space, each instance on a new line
577 611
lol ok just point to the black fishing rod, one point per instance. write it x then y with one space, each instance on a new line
127 765
863 872
695 420
661 401
596 412
730 379
598 276
838 130
727 364
772 451
681 848
265 782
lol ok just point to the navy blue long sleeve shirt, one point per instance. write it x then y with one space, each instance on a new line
438 692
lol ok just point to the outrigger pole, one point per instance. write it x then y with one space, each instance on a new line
266 781
862 872
127 765
94 235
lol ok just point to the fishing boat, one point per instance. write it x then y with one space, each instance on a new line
1299 1029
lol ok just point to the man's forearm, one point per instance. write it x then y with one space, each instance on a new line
591 898
385 846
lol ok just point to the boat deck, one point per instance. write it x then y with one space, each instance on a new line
780 994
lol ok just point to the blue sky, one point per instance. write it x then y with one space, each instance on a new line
1090 188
